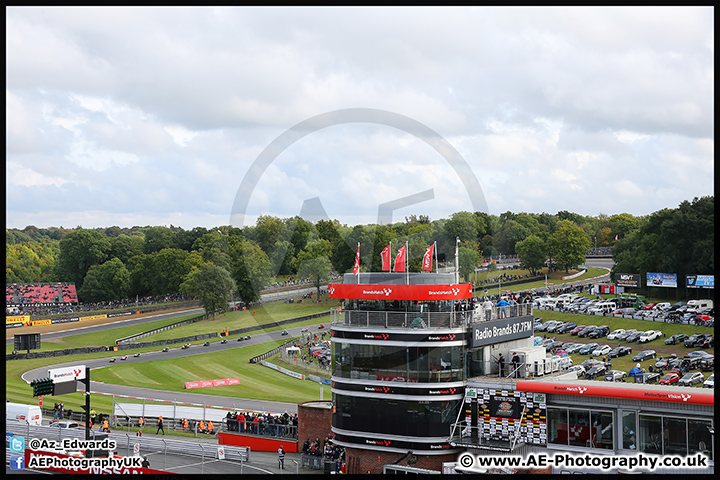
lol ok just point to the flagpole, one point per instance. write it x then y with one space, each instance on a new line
358 275
457 260
407 264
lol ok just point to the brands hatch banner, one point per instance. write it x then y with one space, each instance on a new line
456 291
223 382
631 280
66 374
662 280
700 281
394 389
503 330
691 396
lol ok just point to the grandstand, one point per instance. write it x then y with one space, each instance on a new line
40 294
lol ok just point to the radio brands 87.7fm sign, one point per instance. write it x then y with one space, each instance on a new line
502 330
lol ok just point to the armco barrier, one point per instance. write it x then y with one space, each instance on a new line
130 338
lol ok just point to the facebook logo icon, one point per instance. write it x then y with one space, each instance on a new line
17 462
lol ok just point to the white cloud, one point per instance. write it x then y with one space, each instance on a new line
545 104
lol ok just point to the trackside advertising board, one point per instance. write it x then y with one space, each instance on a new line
700 281
662 280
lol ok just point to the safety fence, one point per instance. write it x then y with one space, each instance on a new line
133 445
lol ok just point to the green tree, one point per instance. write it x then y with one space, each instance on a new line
569 244
80 250
314 263
532 253
251 267
467 258
107 282
212 285
125 247
157 238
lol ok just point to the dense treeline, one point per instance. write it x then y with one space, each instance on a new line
114 263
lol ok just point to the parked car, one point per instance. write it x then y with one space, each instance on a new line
65 424
567 327
601 350
691 378
707 364
649 336
644 355
586 331
573 347
575 330
620 351
579 369
651 377
710 381
626 334
595 371
588 349
613 335
664 362
708 342
599 332
669 378
632 338
675 339
700 353
694 340
554 344
615 375
590 362
547 325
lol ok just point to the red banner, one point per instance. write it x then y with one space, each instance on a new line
427 258
641 393
385 257
212 383
456 291
400 260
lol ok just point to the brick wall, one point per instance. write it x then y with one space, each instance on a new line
360 461
314 421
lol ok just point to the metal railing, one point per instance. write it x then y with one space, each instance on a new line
125 443
485 315
404 320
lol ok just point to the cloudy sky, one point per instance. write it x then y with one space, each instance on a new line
213 116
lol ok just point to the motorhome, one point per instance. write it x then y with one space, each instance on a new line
697 305
18 412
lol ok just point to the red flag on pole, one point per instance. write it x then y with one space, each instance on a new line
427 258
385 256
356 268
400 260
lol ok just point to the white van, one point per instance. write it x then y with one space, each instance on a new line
697 305
603 307
23 413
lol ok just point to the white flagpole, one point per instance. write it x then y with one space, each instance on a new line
407 264
457 260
